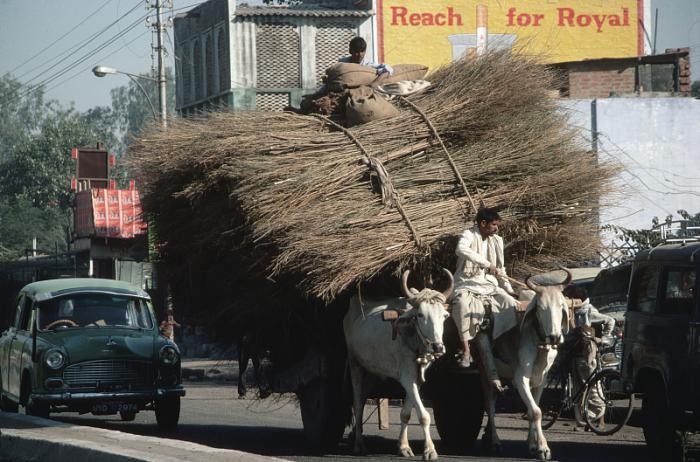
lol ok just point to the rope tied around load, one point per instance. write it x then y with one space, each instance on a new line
390 198
451 161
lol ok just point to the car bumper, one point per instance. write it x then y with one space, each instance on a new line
77 398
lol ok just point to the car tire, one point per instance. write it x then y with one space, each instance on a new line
658 423
30 407
127 416
168 413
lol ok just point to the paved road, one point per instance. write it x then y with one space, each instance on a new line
211 415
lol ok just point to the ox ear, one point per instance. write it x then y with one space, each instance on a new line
529 311
407 315
565 322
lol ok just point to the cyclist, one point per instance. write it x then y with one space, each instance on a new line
584 345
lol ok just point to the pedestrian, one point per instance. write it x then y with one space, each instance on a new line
585 347
482 290
168 325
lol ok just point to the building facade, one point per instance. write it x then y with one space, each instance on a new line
265 58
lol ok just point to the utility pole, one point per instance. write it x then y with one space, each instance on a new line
162 91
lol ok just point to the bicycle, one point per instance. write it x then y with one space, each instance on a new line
604 388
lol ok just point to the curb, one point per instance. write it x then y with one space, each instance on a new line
30 439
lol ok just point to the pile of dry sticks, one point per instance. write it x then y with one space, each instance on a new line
282 193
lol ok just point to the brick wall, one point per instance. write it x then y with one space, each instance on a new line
600 80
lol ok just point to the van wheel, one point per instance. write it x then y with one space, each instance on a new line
168 413
659 426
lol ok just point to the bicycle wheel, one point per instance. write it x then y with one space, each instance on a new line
552 400
607 404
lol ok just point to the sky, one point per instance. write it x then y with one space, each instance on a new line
37 37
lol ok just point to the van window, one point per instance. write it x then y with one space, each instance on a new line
646 289
679 291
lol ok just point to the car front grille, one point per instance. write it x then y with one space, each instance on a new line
108 374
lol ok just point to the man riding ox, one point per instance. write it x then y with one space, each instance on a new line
482 290
401 350
524 355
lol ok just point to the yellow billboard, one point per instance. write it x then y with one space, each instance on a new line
435 32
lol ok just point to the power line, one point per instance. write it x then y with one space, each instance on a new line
60 38
80 60
85 43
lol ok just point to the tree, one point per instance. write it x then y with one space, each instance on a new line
648 238
36 137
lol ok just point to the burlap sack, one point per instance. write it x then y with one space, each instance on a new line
349 75
407 72
365 105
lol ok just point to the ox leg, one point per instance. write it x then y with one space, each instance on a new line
488 363
537 444
404 447
490 437
358 378
412 394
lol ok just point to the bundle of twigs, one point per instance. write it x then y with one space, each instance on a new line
289 194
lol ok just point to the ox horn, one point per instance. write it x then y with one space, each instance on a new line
404 284
532 285
569 277
448 292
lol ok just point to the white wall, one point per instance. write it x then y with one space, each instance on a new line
658 142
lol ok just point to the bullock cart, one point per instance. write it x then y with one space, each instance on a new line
269 222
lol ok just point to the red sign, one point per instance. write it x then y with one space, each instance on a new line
109 213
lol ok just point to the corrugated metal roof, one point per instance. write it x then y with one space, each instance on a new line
300 11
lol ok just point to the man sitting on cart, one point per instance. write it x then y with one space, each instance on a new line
482 290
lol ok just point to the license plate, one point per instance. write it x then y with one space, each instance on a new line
113 408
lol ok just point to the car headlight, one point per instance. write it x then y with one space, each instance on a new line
169 355
55 359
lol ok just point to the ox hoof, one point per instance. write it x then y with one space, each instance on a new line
430 454
543 454
405 451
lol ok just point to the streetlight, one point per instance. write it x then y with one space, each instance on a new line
101 71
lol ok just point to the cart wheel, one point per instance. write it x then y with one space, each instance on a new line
322 413
459 410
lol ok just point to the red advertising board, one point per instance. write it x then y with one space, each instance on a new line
109 213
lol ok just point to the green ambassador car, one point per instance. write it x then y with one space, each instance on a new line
88 346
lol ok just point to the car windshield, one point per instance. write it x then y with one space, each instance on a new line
94 310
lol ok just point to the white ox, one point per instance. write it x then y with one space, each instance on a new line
372 353
525 355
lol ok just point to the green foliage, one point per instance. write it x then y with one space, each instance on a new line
648 238
20 222
36 137
695 89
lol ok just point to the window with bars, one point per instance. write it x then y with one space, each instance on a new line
209 65
198 77
185 73
332 40
222 45
278 53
